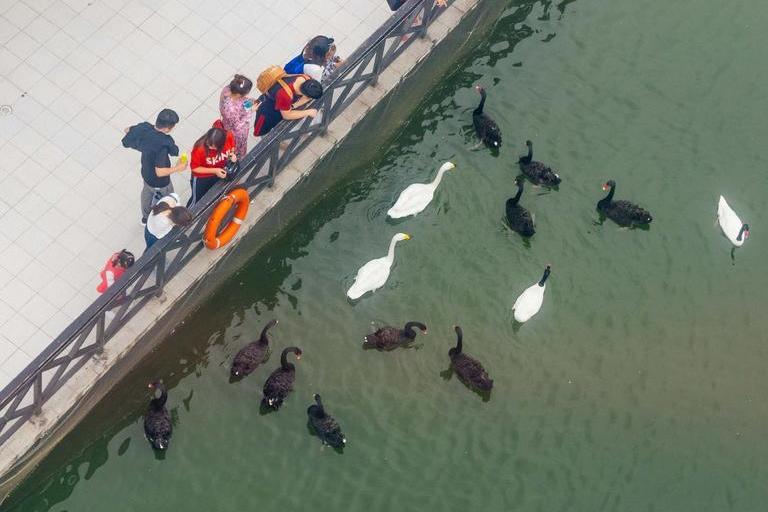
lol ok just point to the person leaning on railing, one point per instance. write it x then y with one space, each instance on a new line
282 100
318 59
163 217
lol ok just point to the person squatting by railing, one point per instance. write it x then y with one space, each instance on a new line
115 266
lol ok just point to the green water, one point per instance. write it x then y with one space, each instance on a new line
638 387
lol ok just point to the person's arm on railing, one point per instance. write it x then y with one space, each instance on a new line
298 114
301 102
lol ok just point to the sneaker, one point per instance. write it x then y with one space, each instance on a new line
143 221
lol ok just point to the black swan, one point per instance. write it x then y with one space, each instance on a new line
325 426
622 212
469 369
486 128
388 338
157 421
280 381
253 354
537 172
518 217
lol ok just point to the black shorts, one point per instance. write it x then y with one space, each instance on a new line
267 118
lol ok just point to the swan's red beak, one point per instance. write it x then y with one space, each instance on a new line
298 356
606 187
746 234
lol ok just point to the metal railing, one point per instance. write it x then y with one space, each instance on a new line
87 335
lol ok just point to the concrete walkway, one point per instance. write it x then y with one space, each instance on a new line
73 74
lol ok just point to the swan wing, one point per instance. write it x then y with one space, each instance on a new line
529 303
412 200
729 222
371 276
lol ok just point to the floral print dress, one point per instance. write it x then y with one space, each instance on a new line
236 119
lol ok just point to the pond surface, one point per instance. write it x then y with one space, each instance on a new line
640 384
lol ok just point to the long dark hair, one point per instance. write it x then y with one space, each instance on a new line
313 52
180 216
214 137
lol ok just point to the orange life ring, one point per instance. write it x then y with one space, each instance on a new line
237 197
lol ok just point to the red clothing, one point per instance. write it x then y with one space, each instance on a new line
204 157
276 101
282 100
110 274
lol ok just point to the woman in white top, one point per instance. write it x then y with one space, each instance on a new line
320 59
163 217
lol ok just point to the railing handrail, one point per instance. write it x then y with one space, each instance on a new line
267 150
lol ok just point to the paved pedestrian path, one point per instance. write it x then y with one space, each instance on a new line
73 74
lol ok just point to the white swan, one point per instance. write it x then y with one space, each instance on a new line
529 302
416 197
731 224
374 274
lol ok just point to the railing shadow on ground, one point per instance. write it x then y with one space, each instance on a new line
86 337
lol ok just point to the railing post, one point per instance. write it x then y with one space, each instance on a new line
326 113
100 338
272 169
160 279
378 58
37 394
429 7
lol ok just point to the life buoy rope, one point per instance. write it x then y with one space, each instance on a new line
238 198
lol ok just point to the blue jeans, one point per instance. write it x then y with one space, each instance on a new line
149 238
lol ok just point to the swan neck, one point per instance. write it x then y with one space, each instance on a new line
160 402
319 403
741 232
519 193
609 197
479 109
391 251
544 277
459 345
264 339
284 358
409 331
439 177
